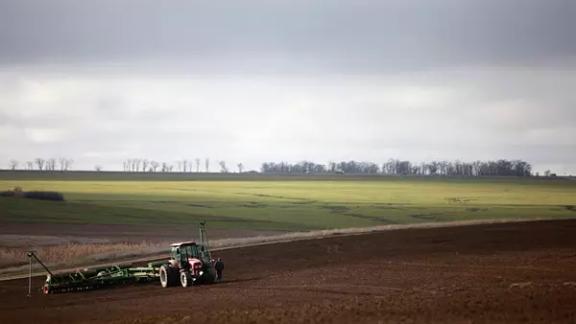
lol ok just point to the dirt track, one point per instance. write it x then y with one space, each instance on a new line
483 273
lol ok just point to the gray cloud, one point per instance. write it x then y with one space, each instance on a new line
100 81
464 115
312 35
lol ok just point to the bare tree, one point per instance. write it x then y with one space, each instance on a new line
29 165
240 167
145 164
332 167
154 166
62 163
207 164
65 164
98 168
131 164
40 163
167 167
182 165
50 164
13 164
197 165
223 168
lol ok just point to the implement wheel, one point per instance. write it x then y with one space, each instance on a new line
185 279
168 276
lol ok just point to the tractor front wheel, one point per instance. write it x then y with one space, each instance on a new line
168 276
185 279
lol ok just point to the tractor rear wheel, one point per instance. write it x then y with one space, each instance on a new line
168 276
185 279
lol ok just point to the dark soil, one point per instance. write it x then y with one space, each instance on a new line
524 272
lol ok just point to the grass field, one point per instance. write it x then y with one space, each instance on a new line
288 204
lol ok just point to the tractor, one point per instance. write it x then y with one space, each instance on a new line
189 263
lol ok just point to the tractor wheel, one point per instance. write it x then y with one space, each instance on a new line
185 279
168 276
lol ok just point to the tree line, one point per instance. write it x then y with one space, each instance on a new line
392 167
395 167
129 165
184 166
42 164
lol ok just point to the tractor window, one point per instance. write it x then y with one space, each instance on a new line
175 252
190 250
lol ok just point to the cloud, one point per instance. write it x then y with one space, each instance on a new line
288 36
414 116
255 80
45 135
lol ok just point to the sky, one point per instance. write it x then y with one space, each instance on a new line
249 81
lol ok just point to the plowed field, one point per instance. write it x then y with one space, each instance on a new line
513 272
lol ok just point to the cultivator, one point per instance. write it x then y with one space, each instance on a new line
189 263
89 279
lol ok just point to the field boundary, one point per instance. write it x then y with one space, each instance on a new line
87 175
238 243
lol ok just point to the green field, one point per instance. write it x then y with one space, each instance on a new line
289 204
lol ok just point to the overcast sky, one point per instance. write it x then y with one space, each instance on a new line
252 81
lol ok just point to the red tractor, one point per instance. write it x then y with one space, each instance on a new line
189 263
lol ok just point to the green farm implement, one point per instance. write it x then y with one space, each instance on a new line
189 263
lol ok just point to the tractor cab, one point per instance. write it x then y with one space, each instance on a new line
186 250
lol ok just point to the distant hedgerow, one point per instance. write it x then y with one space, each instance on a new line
7 193
44 195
